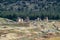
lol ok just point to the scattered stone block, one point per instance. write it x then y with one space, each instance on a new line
46 19
27 19
20 20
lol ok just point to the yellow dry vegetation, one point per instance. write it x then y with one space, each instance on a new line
54 38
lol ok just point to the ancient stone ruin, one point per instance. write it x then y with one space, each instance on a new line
38 19
27 19
46 19
20 20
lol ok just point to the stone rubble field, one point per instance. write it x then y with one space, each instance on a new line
38 30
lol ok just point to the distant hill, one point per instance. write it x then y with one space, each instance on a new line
34 5
33 8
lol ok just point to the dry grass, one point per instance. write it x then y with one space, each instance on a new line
54 38
22 31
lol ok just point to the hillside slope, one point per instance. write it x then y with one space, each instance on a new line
32 8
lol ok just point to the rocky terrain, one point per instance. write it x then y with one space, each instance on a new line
38 30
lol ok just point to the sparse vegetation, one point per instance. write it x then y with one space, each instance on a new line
42 30
25 29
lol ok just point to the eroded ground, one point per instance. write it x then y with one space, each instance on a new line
36 31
